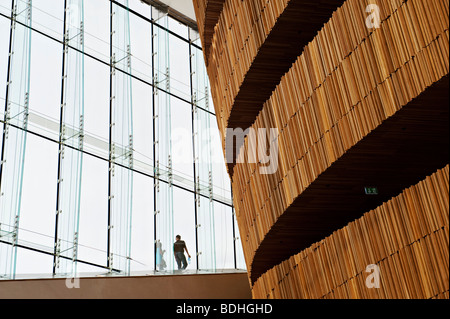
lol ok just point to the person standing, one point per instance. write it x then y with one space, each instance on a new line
178 249
160 262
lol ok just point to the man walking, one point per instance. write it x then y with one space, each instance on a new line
178 249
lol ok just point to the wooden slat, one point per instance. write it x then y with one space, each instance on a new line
253 44
354 107
414 269
323 113
207 13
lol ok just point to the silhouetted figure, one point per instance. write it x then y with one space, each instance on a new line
178 249
160 262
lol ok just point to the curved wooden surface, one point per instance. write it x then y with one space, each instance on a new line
207 13
319 130
406 237
354 107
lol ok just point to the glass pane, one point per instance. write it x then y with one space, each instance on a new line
121 178
140 7
142 126
14 140
7 256
195 37
178 28
179 67
200 82
97 29
203 152
45 79
5 7
142 237
68 207
1 133
207 239
71 160
221 179
4 51
48 17
240 260
161 56
223 230
184 223
94 211
85 270
182 153
38 208
141 48
164 227
96 110
203 178
164 217
32 264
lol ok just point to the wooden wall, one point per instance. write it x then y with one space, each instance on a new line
407 238
353 106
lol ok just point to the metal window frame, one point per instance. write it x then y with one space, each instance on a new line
65 46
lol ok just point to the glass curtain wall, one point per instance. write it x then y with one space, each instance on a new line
109 145
15 132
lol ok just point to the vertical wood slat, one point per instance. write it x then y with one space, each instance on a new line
336 266
332 114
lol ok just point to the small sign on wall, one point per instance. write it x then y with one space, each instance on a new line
371 190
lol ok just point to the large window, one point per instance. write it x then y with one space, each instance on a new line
109 143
